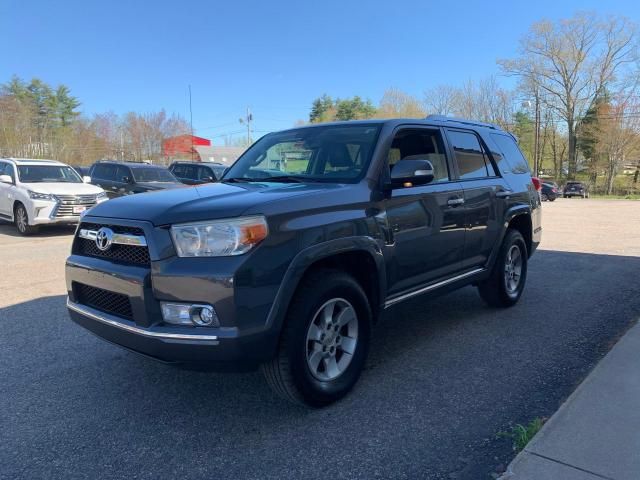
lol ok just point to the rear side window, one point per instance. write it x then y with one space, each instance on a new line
470 157
510 153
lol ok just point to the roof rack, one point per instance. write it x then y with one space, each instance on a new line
464 121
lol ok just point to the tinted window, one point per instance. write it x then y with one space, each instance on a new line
152 174
104 172
205 173
178 170
122 172
471 159
509 150
420 144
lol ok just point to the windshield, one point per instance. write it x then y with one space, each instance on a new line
332 153
153 175
47 173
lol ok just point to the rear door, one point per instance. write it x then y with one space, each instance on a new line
483 201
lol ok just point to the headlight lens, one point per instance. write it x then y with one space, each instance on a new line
41 196
219 238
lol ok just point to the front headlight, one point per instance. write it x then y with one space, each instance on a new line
219 238
41 196
101 196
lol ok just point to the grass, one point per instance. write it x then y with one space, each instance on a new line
633 196
521 435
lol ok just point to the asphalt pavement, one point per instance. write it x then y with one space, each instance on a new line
443 378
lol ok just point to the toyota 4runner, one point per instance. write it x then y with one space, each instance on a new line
287 262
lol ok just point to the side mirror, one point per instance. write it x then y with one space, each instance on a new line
6 179
126 179
86 179
411 173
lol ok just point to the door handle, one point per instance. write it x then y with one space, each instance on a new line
504 194
454 202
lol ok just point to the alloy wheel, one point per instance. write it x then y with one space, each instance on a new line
21 219
332 338
513 269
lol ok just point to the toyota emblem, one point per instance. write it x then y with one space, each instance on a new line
104 237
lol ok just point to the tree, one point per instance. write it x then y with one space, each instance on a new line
573 60
354 109
398 104
442 100
320 108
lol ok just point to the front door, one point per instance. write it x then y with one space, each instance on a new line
426 223
5 189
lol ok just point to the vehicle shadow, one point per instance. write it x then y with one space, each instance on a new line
444 376
7 228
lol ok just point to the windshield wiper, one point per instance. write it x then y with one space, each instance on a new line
276 178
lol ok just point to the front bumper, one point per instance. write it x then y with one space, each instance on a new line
198 348
45 212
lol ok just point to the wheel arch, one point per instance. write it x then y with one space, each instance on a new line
361 257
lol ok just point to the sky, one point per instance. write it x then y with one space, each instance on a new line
274 57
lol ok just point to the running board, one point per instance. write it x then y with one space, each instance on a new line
431 287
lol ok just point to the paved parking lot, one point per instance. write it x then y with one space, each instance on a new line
443 378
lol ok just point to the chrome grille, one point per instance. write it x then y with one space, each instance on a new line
127 254
103 300
66 204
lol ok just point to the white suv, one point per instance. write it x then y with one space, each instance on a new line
43 192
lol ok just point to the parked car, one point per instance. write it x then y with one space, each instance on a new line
126 178
289 270
196 173
34 193
82 171
549 192
575 189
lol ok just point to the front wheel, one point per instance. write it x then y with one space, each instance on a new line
324 342
21 220
505 285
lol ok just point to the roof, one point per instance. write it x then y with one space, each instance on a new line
196 162
131 164
33 161
438 120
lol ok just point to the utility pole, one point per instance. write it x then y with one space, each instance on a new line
536 145
191 121
248 119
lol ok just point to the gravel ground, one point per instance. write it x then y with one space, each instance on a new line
444 376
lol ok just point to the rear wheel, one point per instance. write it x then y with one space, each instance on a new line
21 220
506 283
324 342
544 197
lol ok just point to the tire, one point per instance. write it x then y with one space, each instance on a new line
552 199
21 221
544 198
295 373
505 285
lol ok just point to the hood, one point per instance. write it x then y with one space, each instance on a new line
204 202
159 185
62 188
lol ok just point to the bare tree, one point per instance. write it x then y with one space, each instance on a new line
441 100
398 104
572 61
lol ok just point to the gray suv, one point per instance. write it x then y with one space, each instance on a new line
287 263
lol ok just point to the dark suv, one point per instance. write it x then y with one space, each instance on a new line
289 269
197 173
124 178
575 189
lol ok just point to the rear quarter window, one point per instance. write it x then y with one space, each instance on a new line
510 159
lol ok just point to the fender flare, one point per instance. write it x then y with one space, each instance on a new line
307 257
510 214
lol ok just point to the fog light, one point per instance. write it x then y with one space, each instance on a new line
189 314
